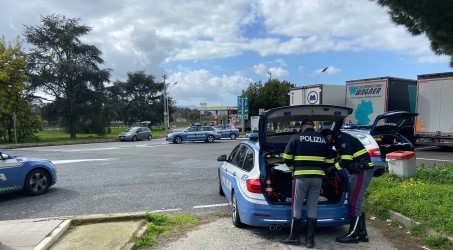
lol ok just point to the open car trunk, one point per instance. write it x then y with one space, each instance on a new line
278 190
276 126
390 129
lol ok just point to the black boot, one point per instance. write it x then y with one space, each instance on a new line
352 236
363 234
293 238
310 232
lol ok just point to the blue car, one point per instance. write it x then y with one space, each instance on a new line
228 131
34 176
257 183
195 133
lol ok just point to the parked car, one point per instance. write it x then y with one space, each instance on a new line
136 133
386 135
257 183
195 133
34 176
228 131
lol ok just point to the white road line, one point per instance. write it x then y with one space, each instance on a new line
213 205
87 149
80 160
165 210
427 159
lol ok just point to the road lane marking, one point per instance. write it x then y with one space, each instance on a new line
165 210
213 205
427 159
80 160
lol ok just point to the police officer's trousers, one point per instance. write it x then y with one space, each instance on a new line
309 189
358 183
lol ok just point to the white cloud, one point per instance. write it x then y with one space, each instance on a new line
158 36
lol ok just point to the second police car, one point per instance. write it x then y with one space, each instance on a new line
228 131
34 176
195 133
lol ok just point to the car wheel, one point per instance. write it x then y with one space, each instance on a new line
235 213
210 138
221 193
37 182
177 140
134 138
233 136
150 137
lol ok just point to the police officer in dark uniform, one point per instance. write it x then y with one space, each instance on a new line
307 153
355 159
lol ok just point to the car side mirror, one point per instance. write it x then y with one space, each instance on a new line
4 156
222 158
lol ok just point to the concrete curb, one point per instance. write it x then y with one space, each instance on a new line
54 236
69 221
409 223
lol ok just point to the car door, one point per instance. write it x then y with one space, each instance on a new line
139 133
202 133
10 173
189 134
229 171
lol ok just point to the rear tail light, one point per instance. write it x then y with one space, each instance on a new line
375 152
254 186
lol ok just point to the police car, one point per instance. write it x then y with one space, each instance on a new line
228 131
195 133
257 183
34 176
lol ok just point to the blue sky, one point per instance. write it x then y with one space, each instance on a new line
214 49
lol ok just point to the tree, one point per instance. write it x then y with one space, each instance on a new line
12 95
137 99
272 94
66 69
433 18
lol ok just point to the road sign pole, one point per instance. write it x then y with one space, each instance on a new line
243 116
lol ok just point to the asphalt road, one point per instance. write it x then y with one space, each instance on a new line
139 176
124 177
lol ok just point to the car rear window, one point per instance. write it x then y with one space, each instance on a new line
363 139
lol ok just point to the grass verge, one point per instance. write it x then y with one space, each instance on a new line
162 228
163 225
426 198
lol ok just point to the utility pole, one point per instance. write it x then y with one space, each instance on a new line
165 104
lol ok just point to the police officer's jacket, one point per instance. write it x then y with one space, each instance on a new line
307 153
351 150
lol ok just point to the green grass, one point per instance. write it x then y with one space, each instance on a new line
57 135
162 225
427 198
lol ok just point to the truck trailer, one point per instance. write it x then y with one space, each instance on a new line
374 96
434 124
327 94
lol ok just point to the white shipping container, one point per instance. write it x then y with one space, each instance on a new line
317 94
434 104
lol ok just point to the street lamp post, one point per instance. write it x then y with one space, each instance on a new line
164 102
168 109
324 70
